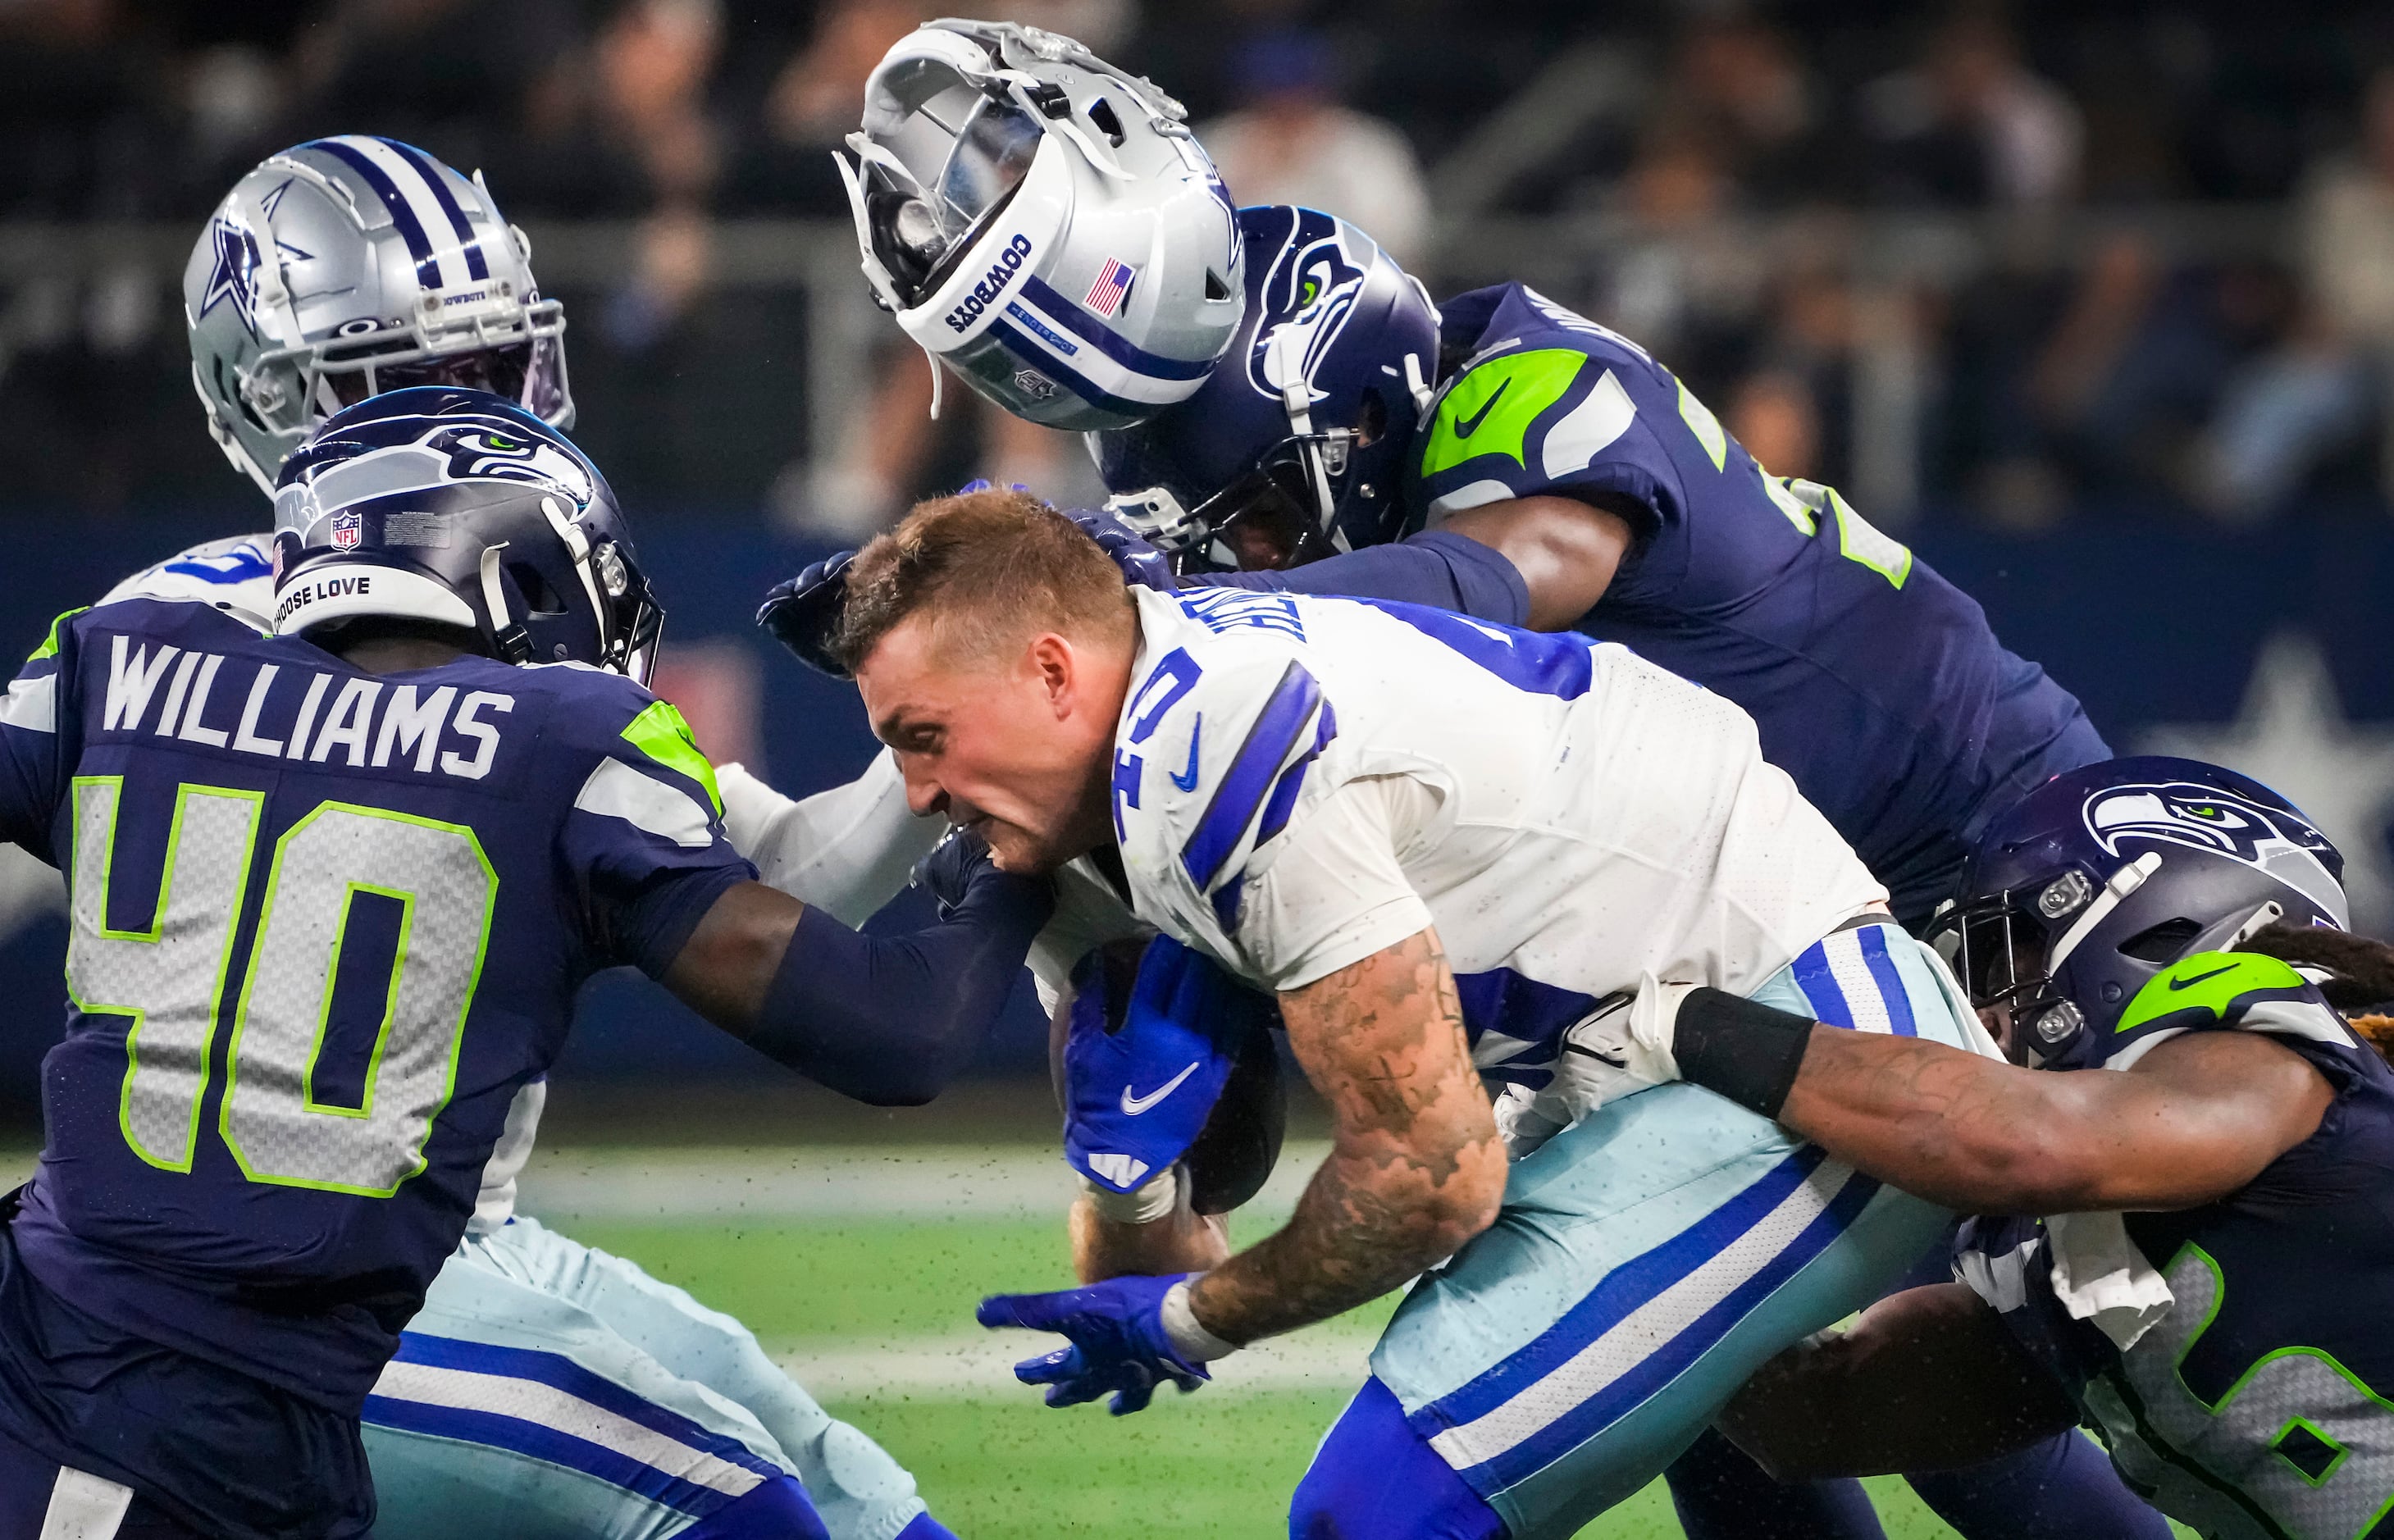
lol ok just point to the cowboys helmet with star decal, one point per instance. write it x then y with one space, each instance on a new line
2105 876
459 509
345 267
1295 447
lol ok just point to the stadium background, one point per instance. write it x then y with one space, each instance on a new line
2092 303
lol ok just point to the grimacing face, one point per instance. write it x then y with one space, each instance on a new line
1015 745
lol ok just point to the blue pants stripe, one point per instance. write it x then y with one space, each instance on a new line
1890 984
1634 1284
560 1373
543 1443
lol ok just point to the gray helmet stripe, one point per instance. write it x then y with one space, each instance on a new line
411 229
416 161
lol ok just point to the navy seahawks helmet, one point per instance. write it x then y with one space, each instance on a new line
460 508
1295 446
2107 874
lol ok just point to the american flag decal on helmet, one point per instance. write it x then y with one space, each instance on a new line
1112 288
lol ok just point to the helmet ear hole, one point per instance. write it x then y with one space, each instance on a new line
539 597
1370 418
2160 944
1218 288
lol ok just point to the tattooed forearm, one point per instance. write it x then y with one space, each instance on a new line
2195 1119
1416 1168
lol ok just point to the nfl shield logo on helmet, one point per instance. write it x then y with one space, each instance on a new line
348 526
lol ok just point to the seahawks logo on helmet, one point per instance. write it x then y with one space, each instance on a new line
412 453
2276 841
1309 292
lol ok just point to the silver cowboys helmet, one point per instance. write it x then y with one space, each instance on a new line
346 266
1043 224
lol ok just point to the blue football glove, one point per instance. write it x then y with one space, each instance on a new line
1143 566
1137 1096
804 613
1119 1343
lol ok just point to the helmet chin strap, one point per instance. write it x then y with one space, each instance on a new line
1296 399
2124 881
578 545
514 642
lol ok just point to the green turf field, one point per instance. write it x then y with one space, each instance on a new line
874 1313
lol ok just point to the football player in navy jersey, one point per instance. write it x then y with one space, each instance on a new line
331 271
331 894
2206 1283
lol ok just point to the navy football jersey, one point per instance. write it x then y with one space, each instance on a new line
324 923
2262 1404
1875 683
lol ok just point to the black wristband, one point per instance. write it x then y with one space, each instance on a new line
1746 1052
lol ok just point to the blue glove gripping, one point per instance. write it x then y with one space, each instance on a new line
803 615
1119 1343
1143 566
1138 1096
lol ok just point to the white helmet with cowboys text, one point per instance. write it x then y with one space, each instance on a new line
1043 224
346 266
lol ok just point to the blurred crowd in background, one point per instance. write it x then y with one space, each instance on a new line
2071 260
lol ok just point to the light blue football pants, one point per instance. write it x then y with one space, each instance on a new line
548 1391
1647 1261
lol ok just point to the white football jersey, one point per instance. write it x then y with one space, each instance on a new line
235 574
1301 781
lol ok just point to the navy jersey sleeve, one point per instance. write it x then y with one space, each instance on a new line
645 839
1444 571
36 754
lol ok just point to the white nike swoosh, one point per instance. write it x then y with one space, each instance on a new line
1134 1105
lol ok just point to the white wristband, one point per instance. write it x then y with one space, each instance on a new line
1189 1337
1141 1206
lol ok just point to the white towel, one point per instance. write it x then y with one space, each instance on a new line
2100 1275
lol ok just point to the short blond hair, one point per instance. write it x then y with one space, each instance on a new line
990 568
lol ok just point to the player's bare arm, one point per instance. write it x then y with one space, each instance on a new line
1566 550
2196 1118
1416 1168
1928 1379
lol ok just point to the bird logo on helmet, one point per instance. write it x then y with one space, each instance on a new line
2106 874
2275 840
456 507
1295 447
1307 293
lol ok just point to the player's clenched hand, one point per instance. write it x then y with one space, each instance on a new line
1143 566
1625 1047
1120 1343
803 613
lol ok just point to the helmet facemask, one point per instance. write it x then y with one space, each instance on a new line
301 300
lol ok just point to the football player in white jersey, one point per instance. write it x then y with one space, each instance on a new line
1451 850
333 272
